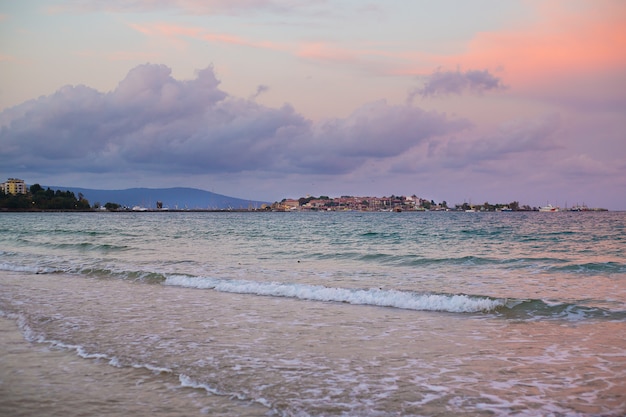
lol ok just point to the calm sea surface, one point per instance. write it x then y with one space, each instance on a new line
320 314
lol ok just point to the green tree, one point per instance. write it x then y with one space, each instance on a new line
111 206
35 188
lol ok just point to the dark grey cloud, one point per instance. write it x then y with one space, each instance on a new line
154 123
443 83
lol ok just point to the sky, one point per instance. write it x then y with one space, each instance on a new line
455 100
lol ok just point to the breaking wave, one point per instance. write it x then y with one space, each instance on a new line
534 310
592 267
455 303
102 273
508 308
33 269
140 276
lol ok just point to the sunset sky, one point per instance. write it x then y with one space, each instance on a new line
458 100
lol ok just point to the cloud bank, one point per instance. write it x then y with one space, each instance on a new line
155 128
152 122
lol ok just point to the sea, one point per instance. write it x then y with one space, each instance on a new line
313 314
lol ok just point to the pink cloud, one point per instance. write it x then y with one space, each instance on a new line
321 51
376 59
175 33
7 58
118 55
164 29
363 58
237 6
373 59
562 41
213 7
132 56
571 54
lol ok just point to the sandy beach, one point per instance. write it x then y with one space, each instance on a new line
38 380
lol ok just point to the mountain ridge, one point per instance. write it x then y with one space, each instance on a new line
172 198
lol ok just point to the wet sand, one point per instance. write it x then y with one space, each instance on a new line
38 380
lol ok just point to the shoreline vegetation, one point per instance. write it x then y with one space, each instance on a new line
38 199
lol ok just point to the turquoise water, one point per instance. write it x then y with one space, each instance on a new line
336 313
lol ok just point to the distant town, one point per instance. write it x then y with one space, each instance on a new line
404 203
15 195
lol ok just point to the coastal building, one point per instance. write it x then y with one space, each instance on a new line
14 186
290 204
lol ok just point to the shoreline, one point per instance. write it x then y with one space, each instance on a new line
36 379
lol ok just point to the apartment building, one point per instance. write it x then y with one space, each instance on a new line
14 186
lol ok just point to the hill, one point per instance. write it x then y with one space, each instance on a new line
172 198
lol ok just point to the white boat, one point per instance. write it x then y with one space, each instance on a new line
549 207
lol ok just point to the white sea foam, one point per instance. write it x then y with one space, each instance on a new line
32 336
378 297
26 268
153 369
186 381
115 362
